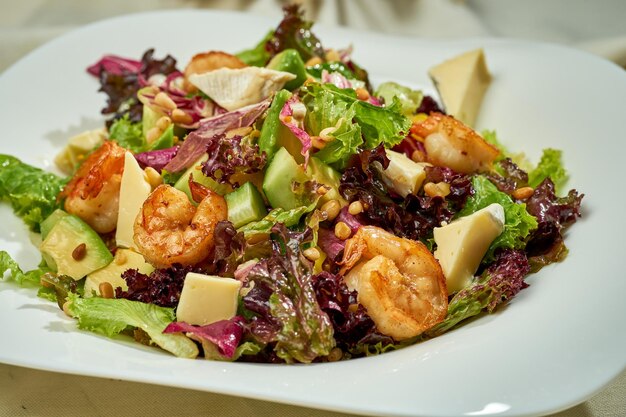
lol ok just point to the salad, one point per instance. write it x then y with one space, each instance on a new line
275 206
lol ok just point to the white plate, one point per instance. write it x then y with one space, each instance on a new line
559 342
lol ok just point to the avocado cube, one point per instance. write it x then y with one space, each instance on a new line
290 61
73 248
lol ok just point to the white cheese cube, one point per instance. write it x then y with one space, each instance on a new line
404 175
134 190
206 299
461 83
462 244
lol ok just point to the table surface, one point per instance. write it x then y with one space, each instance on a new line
594 26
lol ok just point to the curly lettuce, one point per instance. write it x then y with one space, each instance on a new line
32 192
500 282
110 316
549 166
282 301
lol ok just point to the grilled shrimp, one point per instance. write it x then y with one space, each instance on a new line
397 280
451 143
169 229
93 193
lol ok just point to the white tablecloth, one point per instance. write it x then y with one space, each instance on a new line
596 26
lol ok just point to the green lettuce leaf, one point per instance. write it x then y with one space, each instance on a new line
278 215
346 142
518 222
409 99
32 192
8 264
326 107
110 316
128 135
550 165
335 66
519 159
257 56
327 104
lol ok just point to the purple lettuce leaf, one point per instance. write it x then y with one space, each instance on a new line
293 32
554 214
162 287
232 250
232 155
156 159
547 207
507 176
224 334
336 79
329 242
413 217
115 65
121 79
429 105
331 245
350 320
197 141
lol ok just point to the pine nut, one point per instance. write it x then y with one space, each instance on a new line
312 254
335 355
325 134
523 193
362 94
153 134
66 308
342 230
418 156
79 252
317 142
153 177
332 55
331 208
120 258
440 189
313 61
165 101
322 190
163 123
106 290
298 111
355 208
181 118
44 282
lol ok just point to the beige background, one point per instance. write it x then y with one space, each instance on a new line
596 26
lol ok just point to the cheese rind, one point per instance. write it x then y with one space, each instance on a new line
134 190
404 175
234 88
206 299
461 83
462 244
